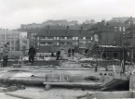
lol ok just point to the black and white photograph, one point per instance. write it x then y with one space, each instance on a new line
67 49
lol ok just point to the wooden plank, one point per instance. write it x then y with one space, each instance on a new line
73 83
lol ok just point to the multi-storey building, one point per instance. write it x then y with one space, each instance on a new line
103 34
110 33
13 37
121 19
48 39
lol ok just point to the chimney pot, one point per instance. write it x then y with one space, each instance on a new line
48 29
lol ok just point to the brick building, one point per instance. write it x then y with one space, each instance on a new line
49 40
110 33
103 33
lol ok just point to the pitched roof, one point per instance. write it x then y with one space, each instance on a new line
100 27
115 24
60 33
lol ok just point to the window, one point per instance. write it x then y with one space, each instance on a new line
115 55
25 42
35 34
37 38
50 43
84 38
62 37
57 43
65 38
50 37
46 44
84 42
89 41
69 38
81 38
54 38
119 28
91 38
76 38
38 43
42 42
12 42
73 38
1 48
57 38
42 37
65 43
69 43
62 43
123 29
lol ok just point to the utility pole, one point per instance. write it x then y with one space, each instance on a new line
132 33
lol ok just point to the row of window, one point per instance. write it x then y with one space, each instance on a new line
33 34
12 48
12 42
9 36
61 43
120 29
63 38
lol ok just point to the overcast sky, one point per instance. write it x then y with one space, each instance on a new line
13 13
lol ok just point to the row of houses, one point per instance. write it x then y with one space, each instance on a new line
103 33
47 39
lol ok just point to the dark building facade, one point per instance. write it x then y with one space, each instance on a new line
111 32
49 40
103 34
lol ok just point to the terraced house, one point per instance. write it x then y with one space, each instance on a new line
50 39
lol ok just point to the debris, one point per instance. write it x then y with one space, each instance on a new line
93 78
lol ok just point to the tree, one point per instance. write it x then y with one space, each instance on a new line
92 21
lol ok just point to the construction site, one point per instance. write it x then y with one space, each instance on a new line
76 77
67 49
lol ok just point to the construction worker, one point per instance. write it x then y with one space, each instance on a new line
58 55
52 54
69 52
73 51
31 53
86 51
5 54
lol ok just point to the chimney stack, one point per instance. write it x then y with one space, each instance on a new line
81 30
68 29
48 29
